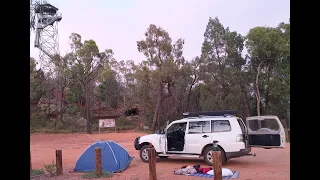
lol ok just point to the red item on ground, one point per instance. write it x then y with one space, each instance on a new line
204 170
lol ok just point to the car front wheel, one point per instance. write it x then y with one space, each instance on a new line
207 155
144 153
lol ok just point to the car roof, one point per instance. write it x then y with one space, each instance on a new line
262 117
205 118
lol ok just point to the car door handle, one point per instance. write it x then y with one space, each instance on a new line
205 136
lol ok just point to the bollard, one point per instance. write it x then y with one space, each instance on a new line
59 162
98 162
152 163
217 163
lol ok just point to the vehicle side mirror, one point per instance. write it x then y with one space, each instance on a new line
160 131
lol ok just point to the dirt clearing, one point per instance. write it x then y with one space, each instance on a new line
268 164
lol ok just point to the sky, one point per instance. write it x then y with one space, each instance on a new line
119 24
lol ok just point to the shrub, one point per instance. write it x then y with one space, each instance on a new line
50 168
35 172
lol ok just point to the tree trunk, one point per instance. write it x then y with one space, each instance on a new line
158 120
62 106
180 107
87 107
156 114
49 106
257 91
118 101
125 88
189 94
55 123
157 108
246 103
57 108
124 97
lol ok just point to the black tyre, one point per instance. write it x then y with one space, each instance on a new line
207 155
144 153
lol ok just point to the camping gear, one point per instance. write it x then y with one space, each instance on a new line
186 171
234 176
206 172
114 158
225 172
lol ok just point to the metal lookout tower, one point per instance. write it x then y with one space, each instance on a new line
44 19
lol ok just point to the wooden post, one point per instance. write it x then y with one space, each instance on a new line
98 162
152 163
217 165
30 162
59 162
289 135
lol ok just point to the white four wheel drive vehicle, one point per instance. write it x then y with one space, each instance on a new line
193 136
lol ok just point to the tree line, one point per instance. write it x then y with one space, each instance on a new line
250 74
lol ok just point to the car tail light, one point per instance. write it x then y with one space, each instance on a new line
239 138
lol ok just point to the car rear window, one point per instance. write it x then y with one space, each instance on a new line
255 124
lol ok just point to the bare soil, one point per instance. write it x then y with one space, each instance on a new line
268 164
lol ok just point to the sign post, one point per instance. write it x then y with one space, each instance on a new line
107 123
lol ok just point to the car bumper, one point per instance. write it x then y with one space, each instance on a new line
237 154
136 143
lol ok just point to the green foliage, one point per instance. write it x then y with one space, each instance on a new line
221 68
72 109
85 63
269 51
163 65
109 90
165 84
93 175
50 130
124 123
37 82
37 120
287 135
35 172
71 98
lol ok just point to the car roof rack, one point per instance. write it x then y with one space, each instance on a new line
209 113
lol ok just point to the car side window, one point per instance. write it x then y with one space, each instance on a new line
176 127
220 125
199 127
171 128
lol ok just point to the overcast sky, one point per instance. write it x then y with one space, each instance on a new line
118 24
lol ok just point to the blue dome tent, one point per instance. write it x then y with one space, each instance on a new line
114 158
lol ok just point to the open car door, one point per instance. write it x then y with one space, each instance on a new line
266 132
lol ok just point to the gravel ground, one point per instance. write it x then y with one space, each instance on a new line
268 164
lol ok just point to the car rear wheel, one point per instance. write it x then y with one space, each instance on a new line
207 155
